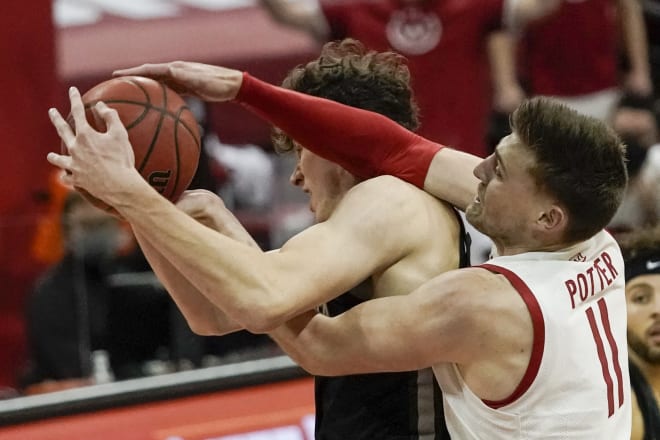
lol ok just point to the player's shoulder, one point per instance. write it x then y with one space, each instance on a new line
478 277
394 189
393 195
477 285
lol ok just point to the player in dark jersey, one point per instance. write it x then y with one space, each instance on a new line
367 406
641 252
376 237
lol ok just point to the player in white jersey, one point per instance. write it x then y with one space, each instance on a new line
577 376
531 345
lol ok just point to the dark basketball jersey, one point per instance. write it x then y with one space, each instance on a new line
383 406
647 403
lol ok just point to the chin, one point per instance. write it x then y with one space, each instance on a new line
472 213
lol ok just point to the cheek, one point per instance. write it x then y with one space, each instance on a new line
636 317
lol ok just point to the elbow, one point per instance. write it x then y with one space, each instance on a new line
315 365
264 317
203 328
212 327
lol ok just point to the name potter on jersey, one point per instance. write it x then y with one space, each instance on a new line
586 284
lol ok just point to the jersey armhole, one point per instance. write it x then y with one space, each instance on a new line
538 326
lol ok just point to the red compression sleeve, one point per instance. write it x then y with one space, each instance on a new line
366 144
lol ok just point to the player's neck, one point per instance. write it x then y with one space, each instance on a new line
503 250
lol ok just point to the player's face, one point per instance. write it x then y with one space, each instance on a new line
643 301
324 181
508 200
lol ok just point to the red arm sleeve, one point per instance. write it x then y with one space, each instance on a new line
364 143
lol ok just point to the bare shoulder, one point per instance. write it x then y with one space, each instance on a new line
483 298
488 290
398 200
474 284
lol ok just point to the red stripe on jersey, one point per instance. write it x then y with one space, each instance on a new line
603 361
605 318
538 326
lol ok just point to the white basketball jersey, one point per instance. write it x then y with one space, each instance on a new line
576 385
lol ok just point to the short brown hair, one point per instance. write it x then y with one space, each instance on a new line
579 160
348 73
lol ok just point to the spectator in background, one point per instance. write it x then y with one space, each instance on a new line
66 312
636 123
574 54
445 43
641 253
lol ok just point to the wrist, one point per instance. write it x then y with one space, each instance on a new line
130 189
245 87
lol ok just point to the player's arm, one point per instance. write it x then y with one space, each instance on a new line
203 317
365 143
507 92
519 13
638 78
305 15
452 318
257 290
210 210
261 290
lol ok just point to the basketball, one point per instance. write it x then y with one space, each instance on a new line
161 128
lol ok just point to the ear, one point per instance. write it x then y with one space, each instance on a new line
554 218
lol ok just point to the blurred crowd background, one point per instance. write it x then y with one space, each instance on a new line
79 303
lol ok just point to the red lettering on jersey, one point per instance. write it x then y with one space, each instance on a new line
608 262
584 286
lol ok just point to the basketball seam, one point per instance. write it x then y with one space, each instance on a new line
155 136
147 106
178 120
178 156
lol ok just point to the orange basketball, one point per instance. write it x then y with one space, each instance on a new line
161 128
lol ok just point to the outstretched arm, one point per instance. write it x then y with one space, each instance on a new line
451 318
258 290
365 143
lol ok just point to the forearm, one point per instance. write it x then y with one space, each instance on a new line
365 143
379 335
202 315
507 92
634 36
221 269
451 177
315 351
502 61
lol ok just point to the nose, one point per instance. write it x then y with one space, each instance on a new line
296 177
481 170
656 304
